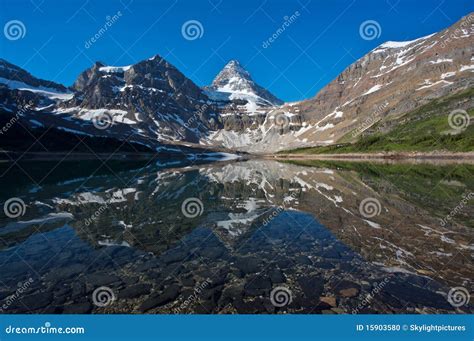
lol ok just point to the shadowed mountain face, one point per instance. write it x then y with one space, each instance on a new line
238 230
151 95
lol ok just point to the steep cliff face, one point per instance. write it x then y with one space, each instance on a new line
152 95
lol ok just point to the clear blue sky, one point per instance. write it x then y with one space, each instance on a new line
312 51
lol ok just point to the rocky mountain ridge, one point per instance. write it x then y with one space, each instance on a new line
390 80
153 102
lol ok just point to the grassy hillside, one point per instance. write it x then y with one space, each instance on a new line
439 189
424 129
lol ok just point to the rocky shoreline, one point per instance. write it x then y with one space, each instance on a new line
388 156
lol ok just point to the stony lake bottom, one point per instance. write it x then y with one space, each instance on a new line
255 236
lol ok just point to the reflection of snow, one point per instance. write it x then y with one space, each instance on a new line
238 222
234 224
109 242
121 223
47 219
400 253
116 196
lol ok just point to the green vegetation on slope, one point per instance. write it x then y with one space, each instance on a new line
424 129
437 188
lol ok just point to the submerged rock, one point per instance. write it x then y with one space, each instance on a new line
135 291
168 295
312 286
248 265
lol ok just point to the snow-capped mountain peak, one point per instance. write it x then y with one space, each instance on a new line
236 67
233 78
234 82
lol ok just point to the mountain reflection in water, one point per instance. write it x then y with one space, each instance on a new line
219 238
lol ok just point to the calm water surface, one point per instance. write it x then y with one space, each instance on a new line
255 236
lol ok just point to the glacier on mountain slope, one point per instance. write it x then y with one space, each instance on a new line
41 90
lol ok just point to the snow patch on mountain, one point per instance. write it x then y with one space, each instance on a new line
50 93
372 89
115 69
399 44
441 60
467 67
